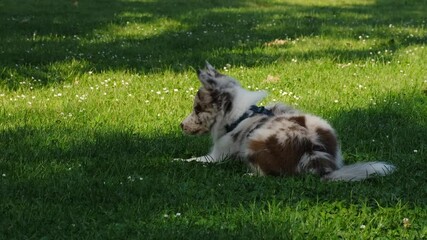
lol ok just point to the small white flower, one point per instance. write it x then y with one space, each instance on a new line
362 226
415 151
3 175
177 214
406 223
165 216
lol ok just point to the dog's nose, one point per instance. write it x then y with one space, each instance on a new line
181 125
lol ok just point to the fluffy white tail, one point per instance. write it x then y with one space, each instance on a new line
360 171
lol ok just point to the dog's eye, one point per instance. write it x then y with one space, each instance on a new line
197 112
197 109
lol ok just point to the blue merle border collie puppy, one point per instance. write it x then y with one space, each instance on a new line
276 140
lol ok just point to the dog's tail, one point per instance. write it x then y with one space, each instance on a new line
360 171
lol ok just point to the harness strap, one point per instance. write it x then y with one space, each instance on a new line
253 110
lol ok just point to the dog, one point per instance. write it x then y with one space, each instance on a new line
276 140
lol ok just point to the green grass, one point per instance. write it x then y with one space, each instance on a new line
92 94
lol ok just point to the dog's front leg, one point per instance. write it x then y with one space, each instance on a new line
220 151
216 155
206 158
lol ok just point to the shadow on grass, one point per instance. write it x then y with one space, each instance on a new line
70 159
127 182
53 41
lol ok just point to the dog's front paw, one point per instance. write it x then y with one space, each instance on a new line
179 160
195 159
250 174
185 159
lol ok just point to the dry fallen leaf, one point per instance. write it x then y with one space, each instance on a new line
271 79
276 42
344 65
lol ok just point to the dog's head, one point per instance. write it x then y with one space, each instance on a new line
213 99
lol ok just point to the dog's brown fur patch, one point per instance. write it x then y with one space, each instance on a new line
275 158
328 140
300 120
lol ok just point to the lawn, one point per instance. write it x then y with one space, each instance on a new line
92 94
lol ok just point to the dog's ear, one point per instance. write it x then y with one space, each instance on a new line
212 71
209 77
208 81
